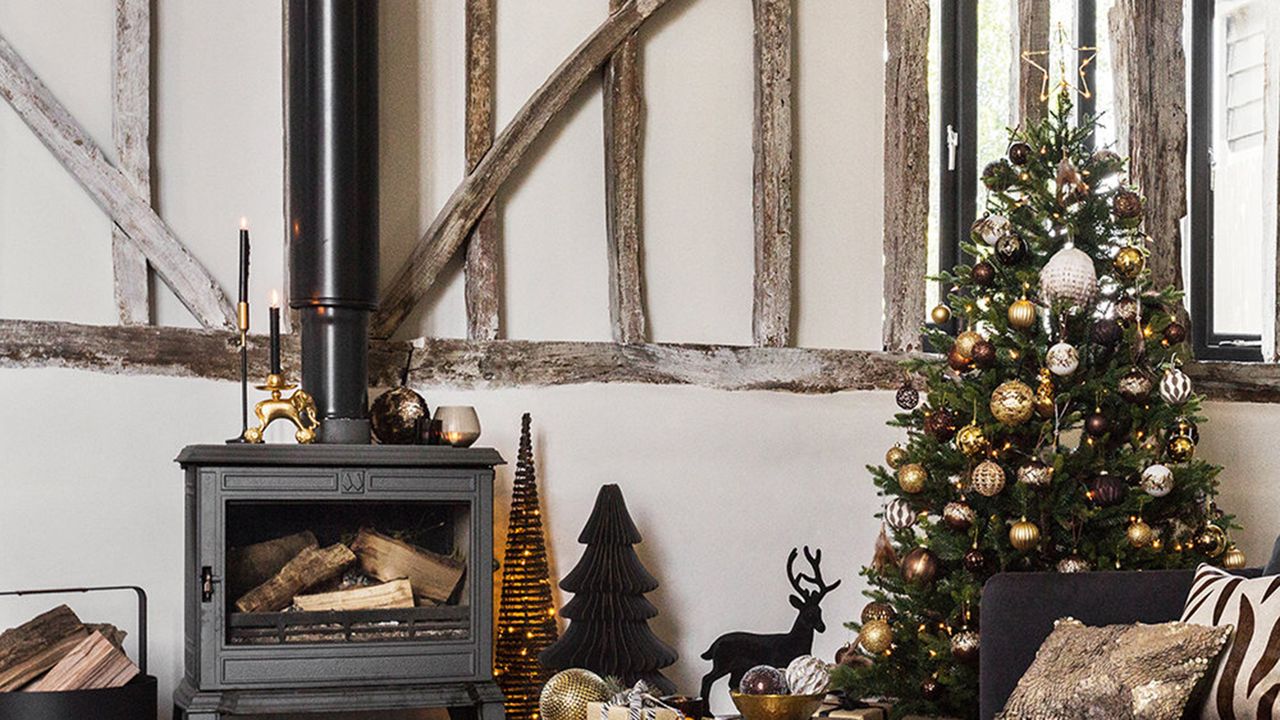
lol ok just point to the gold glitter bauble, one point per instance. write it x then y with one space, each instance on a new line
1011 402
1233 559
911 478
1180 448
566 694
877 611
965 342
1212 540
988 478
895 457
1043 401
940 314
875 637
971 440
1139 533
1024 535
1128 263
1022 314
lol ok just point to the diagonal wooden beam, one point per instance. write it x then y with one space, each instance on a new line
460 213
108 187
623 138
131 131
771 199
481 269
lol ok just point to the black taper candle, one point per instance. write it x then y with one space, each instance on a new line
275 338
244 261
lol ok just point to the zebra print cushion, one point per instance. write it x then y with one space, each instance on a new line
1247 684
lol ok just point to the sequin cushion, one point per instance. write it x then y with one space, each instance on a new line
1117 671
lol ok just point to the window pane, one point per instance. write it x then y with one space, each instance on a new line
1103 84
997 84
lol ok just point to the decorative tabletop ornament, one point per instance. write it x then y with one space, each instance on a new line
1022 314
1035 474
984 354
397 416
764 680
998 175
808 675
912 477
1097 424
567 693
1212 540
984 273
964 646
1126 206
1127 309
1011 402
459 425
940 423
1011 249
1072 564
1071 185
1069 279
1233 558
1019 153
899 514
940 314
1106 490
878 611
1134 386
920 566
1139 533
896 457
958 516
907 396
1175 386
298 409
876 636
987 478
1062 359
971 440
1024 535
1157 480
1128 263
1106 331
989 229
1174 333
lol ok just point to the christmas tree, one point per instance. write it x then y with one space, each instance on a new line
1058 435
609 632
526 616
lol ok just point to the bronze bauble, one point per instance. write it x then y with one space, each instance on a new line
1127 207
984 273
958 362
1233 559
1134 386
896 457
1024 535
1011 249
912 477
1128 263
1106 332
965 342
984 354
975 561
920 566
1019 153
1072 564
1180 448
940 314
987 479
1106 490
1127 309
875 637
1175 333
958 516
940 424
878 611
998 175
931 689
964 646
567 693
1022 314
1097 424
397 417
1212 540
1011 402
971 440
1139 533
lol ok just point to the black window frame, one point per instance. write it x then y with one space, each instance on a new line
958 113
1207 343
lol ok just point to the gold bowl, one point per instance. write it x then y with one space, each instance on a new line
777 707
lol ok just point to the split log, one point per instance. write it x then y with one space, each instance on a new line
95 663
112 633
37 645
309 568
387 596
434 577
250 566
481 267
131 130
771 199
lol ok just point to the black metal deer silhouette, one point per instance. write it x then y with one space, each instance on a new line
735 653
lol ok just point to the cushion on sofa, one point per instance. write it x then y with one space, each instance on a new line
1116 671
1273 567
1247 681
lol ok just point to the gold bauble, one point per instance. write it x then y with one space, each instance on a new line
988 478
965 342
566 694
911 478
1024 535
1212 540
1022 314
1180 448
878 611
895 457
1036 474
1011 402
1043 401
1233 559
940 314
1128 263
971 440
875 637
1139 533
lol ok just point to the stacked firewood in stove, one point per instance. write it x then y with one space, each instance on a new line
55 651
372 572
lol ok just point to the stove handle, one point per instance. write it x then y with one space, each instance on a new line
207 581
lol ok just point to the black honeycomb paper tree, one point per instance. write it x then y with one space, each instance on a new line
608 631
526 613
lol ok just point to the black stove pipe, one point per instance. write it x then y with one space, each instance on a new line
331 70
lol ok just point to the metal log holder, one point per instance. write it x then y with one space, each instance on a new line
133 701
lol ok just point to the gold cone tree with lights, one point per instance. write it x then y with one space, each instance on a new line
1057 435
526 615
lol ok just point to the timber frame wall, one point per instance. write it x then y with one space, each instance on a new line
1152 118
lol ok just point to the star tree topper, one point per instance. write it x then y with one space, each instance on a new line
1029 57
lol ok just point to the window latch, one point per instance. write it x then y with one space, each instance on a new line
953 141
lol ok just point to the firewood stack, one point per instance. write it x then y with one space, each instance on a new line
375 572
55 652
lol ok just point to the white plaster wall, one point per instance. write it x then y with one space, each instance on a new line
721 484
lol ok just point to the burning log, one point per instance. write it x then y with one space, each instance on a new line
387 596
93 664
37 645
250 566
433 577
307 569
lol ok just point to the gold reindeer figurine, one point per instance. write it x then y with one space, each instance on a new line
299 409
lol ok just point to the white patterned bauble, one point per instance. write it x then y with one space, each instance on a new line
1069 278
1062 359
1175 386
899 515
990 229
808 675
1157 480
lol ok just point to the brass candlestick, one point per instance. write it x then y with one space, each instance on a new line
299 409
242 322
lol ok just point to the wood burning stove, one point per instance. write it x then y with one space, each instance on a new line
422 512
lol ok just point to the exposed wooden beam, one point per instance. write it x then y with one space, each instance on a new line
623 138
1033 35
906 171
460 213
131 132
481 267
1150 80
771 197
108 187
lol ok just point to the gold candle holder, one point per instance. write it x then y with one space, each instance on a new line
299 409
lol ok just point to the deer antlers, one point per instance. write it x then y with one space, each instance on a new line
815 559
